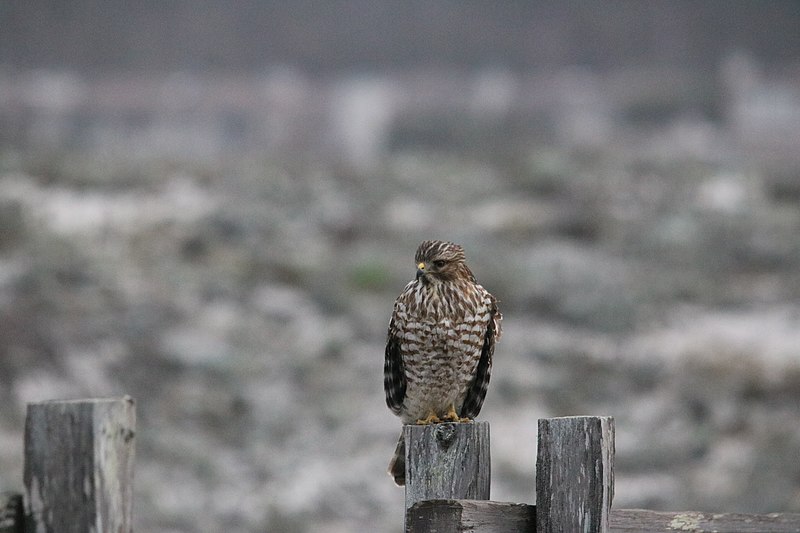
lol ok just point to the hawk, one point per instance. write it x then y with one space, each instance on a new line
440 344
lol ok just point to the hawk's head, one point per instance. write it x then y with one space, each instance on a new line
441 261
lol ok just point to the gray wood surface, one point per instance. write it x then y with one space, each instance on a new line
574 474
475 516
638 520
11 512
79 466
457 516
447 461
574 484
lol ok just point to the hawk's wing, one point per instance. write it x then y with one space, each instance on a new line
480 383
394 376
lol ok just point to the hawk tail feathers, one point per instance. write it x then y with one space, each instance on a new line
397 466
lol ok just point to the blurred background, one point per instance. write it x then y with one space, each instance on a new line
211 206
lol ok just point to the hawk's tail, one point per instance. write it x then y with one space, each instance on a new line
397 466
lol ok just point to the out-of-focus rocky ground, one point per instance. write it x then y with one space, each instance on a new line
227 251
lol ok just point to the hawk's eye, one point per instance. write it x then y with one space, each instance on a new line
439 263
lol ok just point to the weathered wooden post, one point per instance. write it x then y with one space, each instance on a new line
79 466
447 461
11 512
574 474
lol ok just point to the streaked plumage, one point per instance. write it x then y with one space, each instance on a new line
440 344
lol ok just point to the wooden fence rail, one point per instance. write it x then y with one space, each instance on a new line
574 489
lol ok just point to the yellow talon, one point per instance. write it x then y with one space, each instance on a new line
452 416
430 419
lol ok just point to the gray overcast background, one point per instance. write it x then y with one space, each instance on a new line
249 35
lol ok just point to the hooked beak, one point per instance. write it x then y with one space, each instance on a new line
420 270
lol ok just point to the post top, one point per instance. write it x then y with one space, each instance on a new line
126 398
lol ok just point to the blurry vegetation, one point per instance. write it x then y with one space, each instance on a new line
370 276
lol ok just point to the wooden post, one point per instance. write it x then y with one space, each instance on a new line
574 474
10 512
447 461
79 466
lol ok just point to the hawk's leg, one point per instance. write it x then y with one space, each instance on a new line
452 416
430 419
